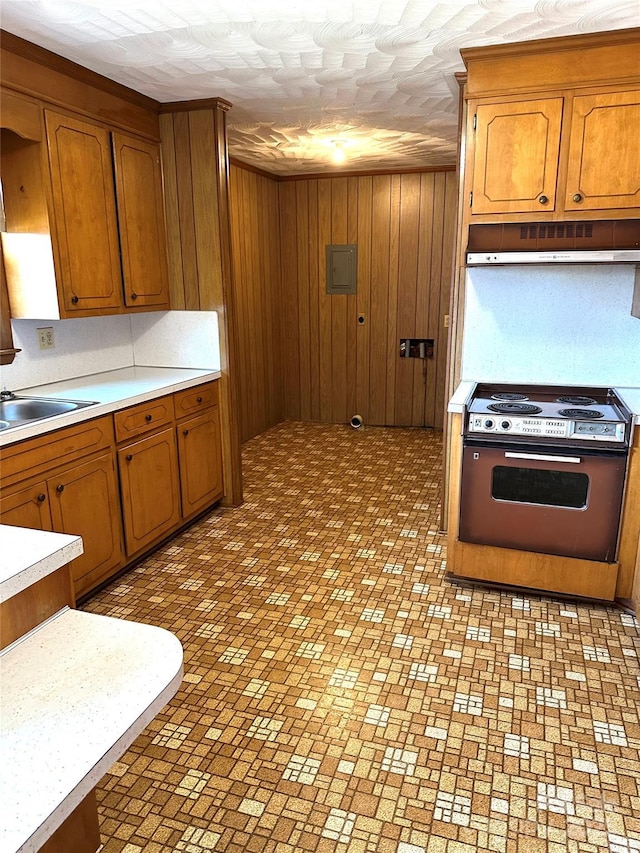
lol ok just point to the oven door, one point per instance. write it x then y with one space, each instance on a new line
551 500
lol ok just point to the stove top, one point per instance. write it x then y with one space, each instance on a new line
563 414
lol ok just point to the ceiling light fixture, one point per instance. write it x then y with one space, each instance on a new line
338 154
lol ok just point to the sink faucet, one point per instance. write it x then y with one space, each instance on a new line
7 395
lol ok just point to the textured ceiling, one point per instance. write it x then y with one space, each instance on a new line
377 75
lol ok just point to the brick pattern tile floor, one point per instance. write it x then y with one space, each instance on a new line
341 695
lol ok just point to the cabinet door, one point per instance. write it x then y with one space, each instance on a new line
516 156
150 489
84 501
604 152
141 221
27 508
84 216
200 455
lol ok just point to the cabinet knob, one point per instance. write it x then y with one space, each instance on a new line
129 457
185 432
577 197
148 418
134 295
199 400
42 497
543 199
60 487
74 300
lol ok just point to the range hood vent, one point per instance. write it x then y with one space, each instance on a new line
604 241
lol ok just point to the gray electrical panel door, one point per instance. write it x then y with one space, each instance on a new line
342 268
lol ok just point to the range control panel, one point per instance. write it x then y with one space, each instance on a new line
546 427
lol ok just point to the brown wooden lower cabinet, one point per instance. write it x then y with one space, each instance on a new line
80 833
635 590
200 455
150 489
84 500
166 472
72 488
81 500
27 507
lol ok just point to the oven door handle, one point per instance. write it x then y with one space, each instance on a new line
542 458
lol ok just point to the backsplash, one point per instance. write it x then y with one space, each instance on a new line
552 324
97 344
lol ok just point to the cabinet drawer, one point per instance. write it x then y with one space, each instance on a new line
55 448
142 418
197 399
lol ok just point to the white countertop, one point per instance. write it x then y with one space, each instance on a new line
460 397
112 390
76 692
631 397
27 556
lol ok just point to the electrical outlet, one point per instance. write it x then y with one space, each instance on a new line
45 338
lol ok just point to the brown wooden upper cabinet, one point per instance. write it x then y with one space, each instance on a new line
516 156
141 220
604 152
84 223
108 219
551 157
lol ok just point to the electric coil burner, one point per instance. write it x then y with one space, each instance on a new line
514 408
509 396
581 414
575 400
543 470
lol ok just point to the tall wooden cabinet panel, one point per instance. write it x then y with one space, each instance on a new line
141 219
150 488
595 179
516 156
84 225
199 453
84 501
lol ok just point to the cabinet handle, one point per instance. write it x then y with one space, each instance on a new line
543 199
134 295
148 418
129 457
577 197
74 300
199 400
185 432
42 497
60 487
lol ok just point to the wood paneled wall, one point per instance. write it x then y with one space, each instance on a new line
196 174
255 242
335 367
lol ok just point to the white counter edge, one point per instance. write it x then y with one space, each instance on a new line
49 552
167 645
75 797
460 397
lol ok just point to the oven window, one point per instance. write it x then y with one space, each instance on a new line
534 486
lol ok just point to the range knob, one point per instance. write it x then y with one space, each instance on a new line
489 423
505 425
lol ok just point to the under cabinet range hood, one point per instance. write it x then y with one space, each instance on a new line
583 242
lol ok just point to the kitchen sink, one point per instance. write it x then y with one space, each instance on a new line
17 411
